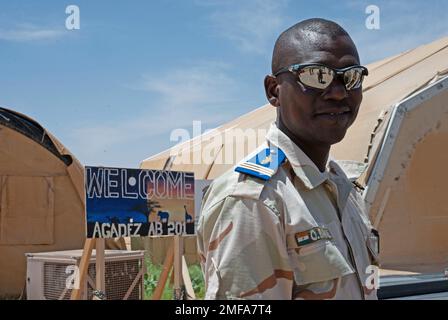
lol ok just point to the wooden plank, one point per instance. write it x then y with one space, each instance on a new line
134 283
172 278
167 265
178 261
145 271
177 268
100 266
83 267
187 280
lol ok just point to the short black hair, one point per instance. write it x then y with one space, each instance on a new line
300 35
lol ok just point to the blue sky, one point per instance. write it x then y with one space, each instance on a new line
113 91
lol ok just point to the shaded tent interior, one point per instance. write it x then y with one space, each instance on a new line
408 204
41 197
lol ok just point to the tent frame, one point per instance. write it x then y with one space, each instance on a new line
391 134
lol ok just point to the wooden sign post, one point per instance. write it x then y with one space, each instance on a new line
143 206
83 268
177 270
100 269
176 263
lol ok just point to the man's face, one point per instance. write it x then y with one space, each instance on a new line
305 112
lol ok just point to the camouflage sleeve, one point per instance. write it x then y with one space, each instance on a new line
243 252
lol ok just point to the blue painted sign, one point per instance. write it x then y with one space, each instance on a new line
134 202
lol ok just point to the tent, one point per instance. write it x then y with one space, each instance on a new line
41 197
396 149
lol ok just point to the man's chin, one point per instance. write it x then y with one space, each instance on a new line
333 138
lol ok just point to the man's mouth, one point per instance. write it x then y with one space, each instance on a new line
339 116
334 112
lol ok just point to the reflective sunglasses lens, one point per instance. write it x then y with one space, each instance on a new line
318 77
353 78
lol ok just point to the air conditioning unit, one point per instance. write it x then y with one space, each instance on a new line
47 274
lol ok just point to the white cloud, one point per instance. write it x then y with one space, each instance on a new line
177 98
204 83
28 32
249 24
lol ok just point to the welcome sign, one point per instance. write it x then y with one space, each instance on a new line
138 203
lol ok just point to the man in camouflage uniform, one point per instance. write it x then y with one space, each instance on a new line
287 223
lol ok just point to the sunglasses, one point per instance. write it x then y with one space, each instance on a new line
319 76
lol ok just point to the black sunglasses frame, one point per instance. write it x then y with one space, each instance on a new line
338 72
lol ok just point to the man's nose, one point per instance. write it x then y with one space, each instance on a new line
336 91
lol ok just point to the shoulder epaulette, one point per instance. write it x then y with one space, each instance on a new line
264 164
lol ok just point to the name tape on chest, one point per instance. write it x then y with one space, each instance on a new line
309 236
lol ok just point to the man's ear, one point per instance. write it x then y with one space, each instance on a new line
271 88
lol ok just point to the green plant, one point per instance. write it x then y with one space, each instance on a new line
197 280
153 274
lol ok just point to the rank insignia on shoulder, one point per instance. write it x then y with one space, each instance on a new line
264 164
309 236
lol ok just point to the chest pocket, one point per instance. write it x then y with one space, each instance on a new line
317 261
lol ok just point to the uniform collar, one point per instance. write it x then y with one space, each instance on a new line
305 169
343 184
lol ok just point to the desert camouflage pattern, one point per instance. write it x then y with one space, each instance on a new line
248 229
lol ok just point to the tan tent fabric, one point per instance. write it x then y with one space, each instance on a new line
42 204
408 207
390 81
387 85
